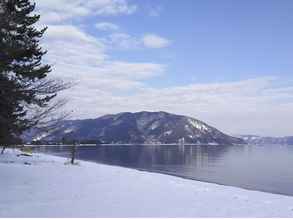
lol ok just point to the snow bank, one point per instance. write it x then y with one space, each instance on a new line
43 186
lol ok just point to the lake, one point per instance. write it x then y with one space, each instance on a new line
262 168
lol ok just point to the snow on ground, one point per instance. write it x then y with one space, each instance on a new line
46 187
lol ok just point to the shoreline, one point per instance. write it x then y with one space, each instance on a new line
48 188
170 174
153 171
97 145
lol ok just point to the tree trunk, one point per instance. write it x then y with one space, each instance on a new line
3 149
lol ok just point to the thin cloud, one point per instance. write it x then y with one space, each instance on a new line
121 41
56 11
127 42
155 41
107 26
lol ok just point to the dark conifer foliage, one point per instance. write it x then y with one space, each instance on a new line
23 76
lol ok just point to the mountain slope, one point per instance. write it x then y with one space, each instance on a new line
141 127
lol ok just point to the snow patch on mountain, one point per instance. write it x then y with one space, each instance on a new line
168 132
197 124
40 137
68 130
155 125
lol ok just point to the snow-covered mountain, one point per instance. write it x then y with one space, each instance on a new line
140 127
254 139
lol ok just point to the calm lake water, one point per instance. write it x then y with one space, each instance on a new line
263 168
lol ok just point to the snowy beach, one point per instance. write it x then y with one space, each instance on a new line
45 186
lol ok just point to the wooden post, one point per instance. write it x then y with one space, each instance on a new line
73 152
3 149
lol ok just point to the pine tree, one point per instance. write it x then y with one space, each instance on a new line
23 77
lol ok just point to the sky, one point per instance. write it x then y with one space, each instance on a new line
228 63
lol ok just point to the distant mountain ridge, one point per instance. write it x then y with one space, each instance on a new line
139 128
254 139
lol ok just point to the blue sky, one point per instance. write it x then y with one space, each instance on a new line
219 61
216 40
